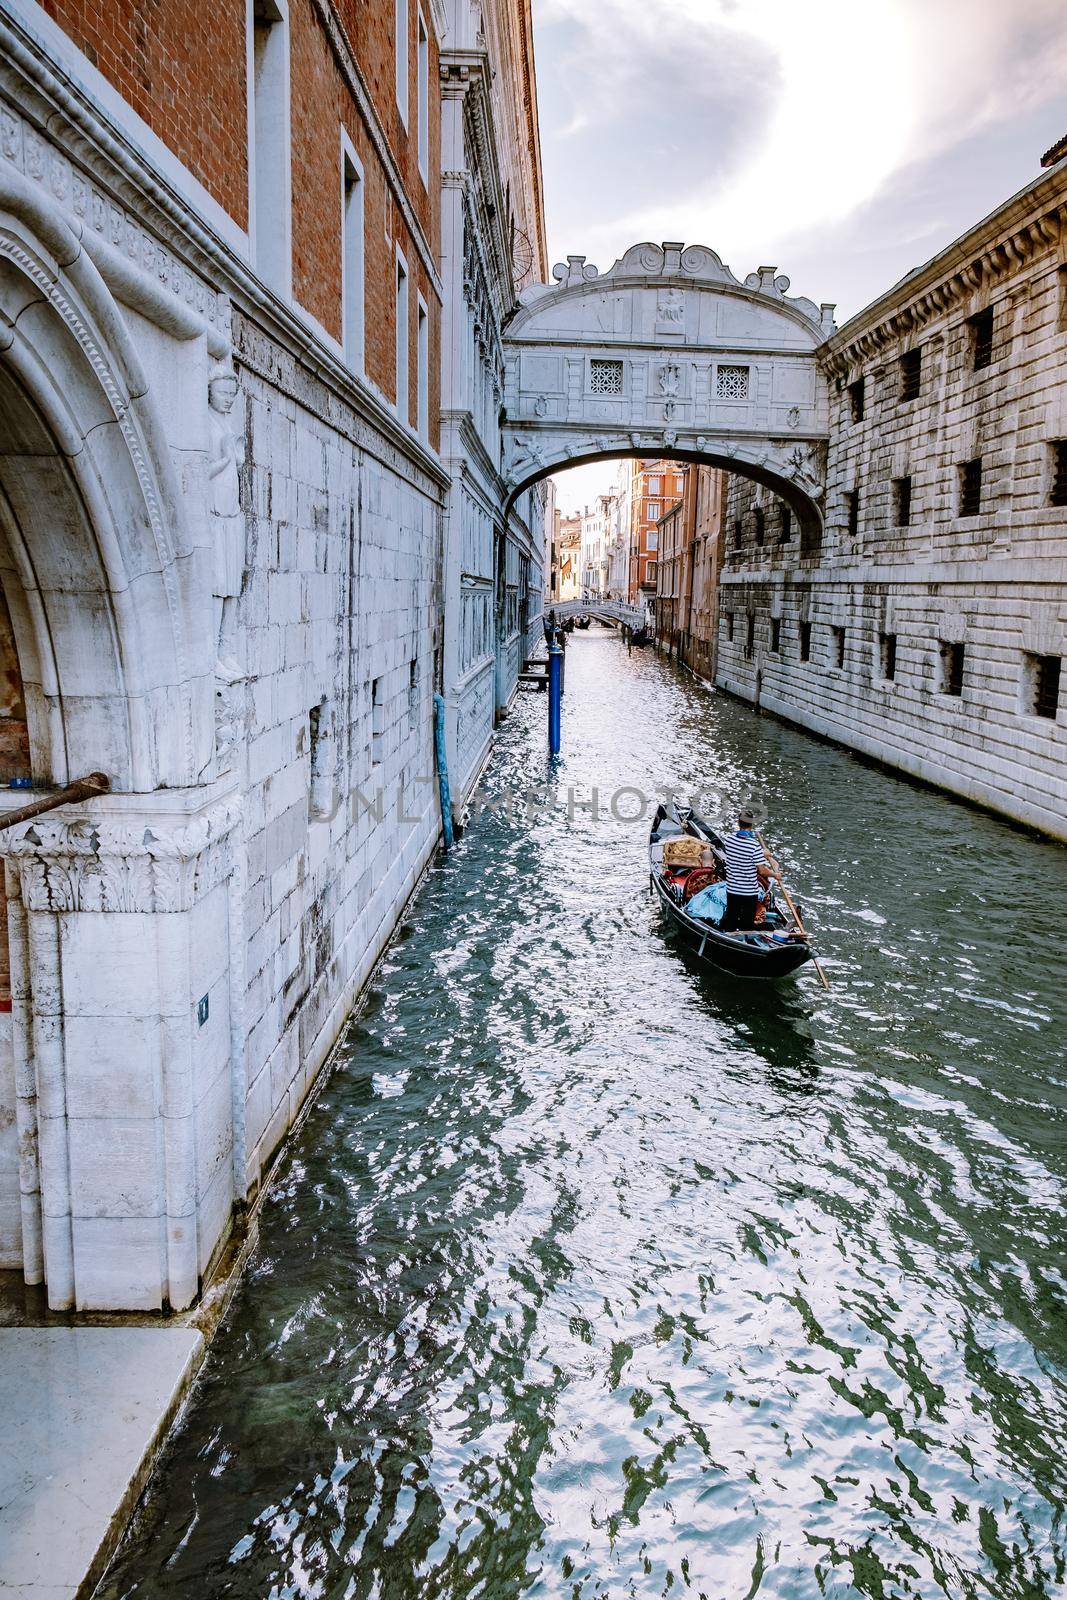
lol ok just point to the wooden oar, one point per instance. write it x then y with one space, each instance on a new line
789 902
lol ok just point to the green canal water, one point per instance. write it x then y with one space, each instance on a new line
590 1275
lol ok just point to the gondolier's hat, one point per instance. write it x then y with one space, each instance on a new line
745 819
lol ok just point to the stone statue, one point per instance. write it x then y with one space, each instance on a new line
226 449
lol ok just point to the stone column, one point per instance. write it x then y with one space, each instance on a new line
126 946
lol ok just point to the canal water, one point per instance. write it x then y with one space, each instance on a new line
590 1275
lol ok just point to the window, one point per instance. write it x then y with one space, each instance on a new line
1058 486
652 539
653 486
952 668
786 532
730 627
652 509
402 355
731 383
776 634
605 377
737 533
759 522
981 332
750 635
856 398
805 641
422 372
837 642
650 572
887 656
852 508
911 370
422 88
270 181
902 502
352 258
413 692
402 59
971 487
377 722
1043 682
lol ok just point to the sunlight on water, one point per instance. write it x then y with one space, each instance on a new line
591 1275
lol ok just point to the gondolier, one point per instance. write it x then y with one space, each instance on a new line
746 870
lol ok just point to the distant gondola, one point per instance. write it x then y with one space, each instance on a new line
772 951
639 636
582 622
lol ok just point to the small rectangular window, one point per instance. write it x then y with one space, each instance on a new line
422 374
605 377
413 692
911 368
971 487
650 572
653 486
805 641
730 627
887 656
731 383
981 333
759 523
852 506
952 668
902 502
776 634
837 641
423 102
1044 684
750 635
786 532
856 395
402 340
401 23
1058 486
737 534
352 261
377 721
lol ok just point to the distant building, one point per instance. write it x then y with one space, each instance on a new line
654 485
569 563
687 571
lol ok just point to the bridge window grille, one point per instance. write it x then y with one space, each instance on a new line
952 654
731 383
902 502
856 397
605 377
911 372
759 522
1058 487
805 641
887 651
971 487
852 506
1045 682
787 525
981 328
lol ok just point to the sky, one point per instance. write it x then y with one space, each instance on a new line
842 141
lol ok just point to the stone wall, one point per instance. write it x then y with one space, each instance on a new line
906 555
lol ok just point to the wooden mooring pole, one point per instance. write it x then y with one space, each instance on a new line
83 789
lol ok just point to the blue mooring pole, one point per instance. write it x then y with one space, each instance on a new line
555 689
442 769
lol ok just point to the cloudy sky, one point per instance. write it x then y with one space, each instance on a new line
842 142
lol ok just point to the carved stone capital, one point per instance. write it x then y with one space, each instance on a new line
100 863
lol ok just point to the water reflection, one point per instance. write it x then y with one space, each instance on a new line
590 1275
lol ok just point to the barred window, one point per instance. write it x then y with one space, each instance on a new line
805 641
750 636
911 372
730 627
981 328
1045 686
759 522
971 487
952 668
887 651
605 377
787 525
1058 487
837 639
776 635
857 397
731 383
902 502
852 507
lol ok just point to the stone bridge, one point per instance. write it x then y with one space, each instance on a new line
669 354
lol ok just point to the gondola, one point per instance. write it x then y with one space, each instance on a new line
582 622
773 951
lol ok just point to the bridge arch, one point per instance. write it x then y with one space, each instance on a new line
668 354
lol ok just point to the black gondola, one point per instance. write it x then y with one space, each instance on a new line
773 951
582 622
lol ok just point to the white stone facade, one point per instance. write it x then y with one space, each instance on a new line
184 950
913 577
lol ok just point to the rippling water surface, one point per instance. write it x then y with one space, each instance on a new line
590 1275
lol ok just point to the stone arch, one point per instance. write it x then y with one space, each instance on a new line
668 354
92 535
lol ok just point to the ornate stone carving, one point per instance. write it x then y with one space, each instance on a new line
669 379
94 864
670 308
228 525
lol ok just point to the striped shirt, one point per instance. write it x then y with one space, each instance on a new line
744 854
